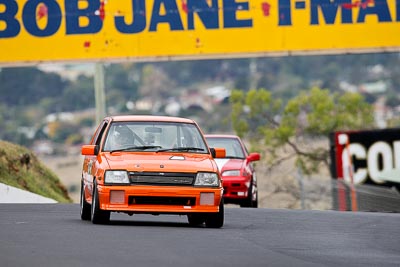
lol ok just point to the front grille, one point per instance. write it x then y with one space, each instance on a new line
175 201
161 178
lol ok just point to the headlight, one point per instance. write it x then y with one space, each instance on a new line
207 179
231 173
116 177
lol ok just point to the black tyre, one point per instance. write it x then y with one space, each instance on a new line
254 203
98 216
85 207
397 186
216 220
195 219
251 201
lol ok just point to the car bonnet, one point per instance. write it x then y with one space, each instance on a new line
167 162
229 164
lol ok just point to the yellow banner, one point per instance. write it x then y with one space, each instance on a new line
33 31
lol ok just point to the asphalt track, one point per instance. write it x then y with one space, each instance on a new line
54 235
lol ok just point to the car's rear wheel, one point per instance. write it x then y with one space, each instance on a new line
99 216
85 207
216 220
195 219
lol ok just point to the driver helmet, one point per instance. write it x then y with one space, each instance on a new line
123 136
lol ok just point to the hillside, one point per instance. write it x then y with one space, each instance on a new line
20 168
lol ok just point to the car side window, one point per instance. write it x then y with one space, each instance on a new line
99 133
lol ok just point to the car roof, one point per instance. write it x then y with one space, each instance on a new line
149 118
221 136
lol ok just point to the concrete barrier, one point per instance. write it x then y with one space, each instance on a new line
9 194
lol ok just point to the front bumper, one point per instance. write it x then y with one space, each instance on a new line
159 199
236 188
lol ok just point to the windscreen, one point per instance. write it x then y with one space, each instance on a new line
154 136
232 146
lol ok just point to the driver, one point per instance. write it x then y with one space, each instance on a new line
123 137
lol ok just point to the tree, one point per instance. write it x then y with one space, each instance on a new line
121 84
155 84
28 85
78 95
311 115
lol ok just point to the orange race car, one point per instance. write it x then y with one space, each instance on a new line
151 164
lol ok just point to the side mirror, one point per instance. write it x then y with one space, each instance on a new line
253 157
218 152
89 150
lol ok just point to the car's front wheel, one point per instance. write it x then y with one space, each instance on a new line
216 220
99 216
252 198
85 207
195 219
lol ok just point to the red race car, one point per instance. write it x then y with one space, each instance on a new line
237 170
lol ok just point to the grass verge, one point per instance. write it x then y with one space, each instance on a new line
20 168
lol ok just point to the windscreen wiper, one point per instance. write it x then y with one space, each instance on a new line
135 148
181 149
233 157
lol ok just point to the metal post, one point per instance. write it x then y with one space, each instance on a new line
253 74
100 99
